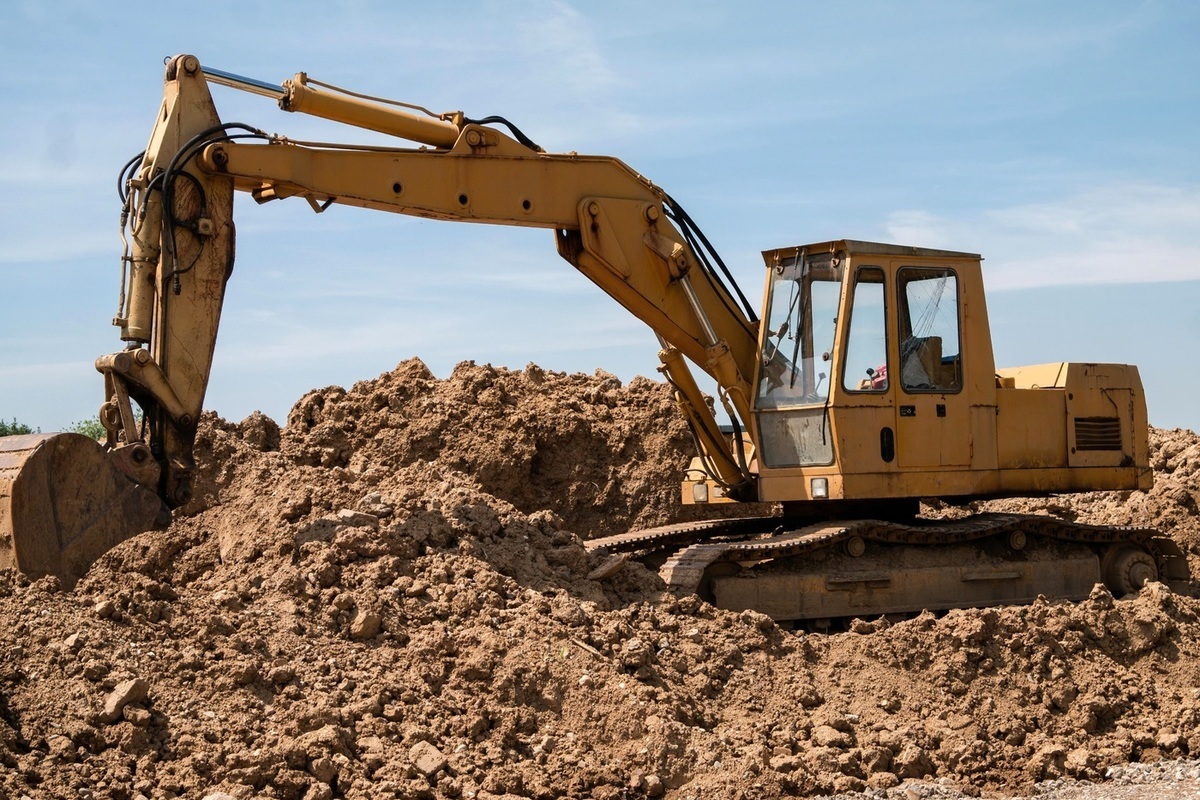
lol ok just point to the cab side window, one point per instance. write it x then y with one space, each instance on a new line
866 343
930 349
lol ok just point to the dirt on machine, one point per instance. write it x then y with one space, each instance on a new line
865 382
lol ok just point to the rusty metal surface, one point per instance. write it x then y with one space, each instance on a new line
63 504
703 549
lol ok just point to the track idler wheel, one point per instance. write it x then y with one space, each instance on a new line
1127 568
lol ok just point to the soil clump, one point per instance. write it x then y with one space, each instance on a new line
389 597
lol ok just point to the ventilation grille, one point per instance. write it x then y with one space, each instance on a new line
1097 433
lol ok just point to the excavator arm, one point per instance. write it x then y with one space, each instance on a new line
620 230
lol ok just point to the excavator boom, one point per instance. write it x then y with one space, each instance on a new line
613 225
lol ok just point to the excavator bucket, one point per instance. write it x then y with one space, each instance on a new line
64 503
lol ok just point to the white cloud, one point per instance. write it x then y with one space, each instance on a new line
1116 233
562 36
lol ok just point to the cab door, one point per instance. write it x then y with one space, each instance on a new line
933 423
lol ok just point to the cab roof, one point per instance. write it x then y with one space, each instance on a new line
853 246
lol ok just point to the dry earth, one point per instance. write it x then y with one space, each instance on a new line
389 598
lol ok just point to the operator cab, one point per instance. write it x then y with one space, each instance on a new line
862 367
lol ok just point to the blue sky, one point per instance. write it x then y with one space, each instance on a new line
1058 139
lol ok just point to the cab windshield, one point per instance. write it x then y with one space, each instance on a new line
801 320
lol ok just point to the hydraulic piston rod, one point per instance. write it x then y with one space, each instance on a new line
298 94
241 82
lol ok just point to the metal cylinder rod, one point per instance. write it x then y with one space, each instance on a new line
252 85
689 292
364 113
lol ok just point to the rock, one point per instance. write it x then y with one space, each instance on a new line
828 736
95 670
356 519
366 625
654 786
281 674
323 769
882 780
912 762
636 653
1079 760
427 759
219 796
375 505
74 642
136 715
611 566
104 609
126 692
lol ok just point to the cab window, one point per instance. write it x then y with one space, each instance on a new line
930 351
865 368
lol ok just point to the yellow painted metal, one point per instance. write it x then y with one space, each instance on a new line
598 205
351 110
1004 432
718 455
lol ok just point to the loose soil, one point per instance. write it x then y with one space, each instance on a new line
388 597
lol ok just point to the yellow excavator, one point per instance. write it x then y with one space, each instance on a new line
868 383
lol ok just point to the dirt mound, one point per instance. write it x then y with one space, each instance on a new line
604 457
390 597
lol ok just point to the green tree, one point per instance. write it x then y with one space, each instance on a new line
14 428
90 428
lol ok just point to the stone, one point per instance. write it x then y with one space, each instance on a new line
828 736
366 625
912 762
356 519
95 670
281 674
611 566
427 759
136 715
323 769
1079 760
125 692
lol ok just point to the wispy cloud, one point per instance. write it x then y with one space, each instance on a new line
563 36
1117 233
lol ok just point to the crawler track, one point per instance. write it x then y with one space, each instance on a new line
697 553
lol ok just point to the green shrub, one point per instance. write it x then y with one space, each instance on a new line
15 428
90 428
